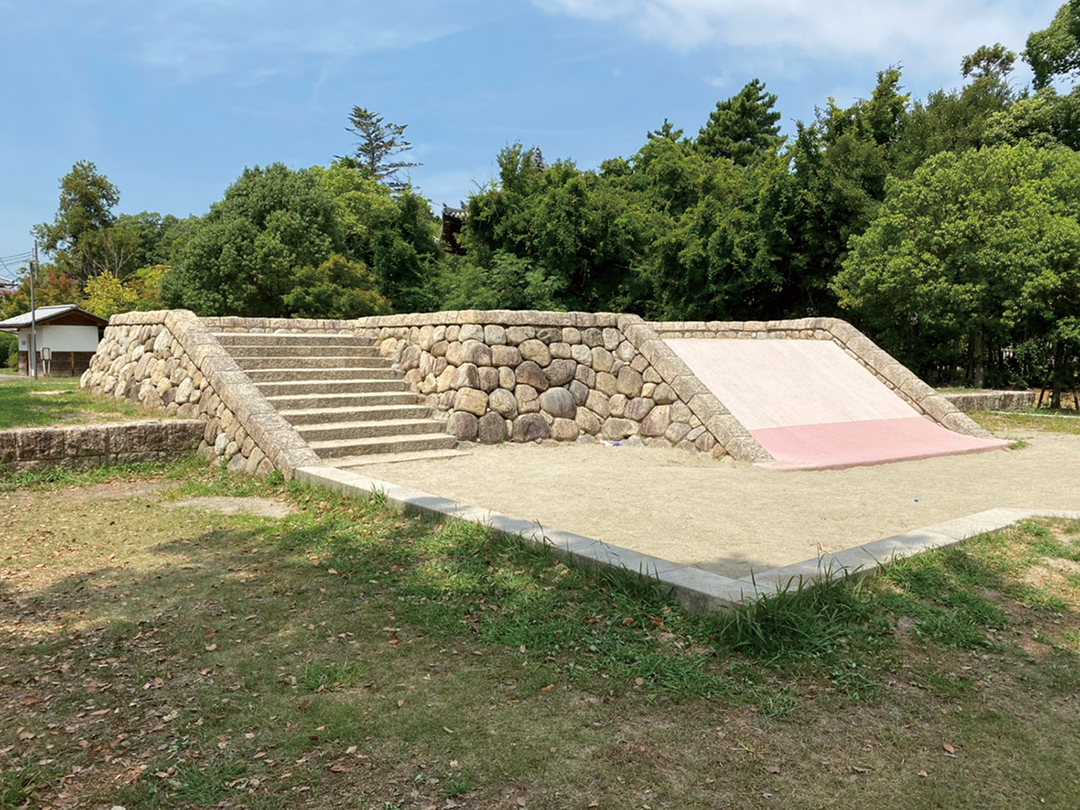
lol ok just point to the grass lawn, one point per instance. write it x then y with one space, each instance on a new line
1000 423
347 656
25 402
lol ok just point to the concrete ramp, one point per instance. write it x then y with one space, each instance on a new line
812 406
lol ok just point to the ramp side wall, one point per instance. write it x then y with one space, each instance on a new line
893 374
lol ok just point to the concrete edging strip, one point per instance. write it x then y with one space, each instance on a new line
697 590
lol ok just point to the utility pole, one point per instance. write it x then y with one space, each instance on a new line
31 356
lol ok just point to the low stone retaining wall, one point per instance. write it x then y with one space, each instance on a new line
82 446
170 360
992 400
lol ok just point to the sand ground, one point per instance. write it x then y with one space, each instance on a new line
732 517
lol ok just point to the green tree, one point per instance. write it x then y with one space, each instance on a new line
742 128
379 146
78 239
106 296
240 258
976 253
337 288
1055 50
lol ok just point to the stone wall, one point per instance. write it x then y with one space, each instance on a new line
170 360
992 400
520 376
897 377
82 446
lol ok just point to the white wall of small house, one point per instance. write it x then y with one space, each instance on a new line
61 338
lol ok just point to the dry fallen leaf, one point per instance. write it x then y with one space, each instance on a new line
948 749
923 774
400 703
548 688
772 769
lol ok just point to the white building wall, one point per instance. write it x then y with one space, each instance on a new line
61 338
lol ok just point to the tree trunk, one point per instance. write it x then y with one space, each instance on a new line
1058 374
978 352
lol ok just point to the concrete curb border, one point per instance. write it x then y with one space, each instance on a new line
696 590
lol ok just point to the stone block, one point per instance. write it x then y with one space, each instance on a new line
612 338
586 376
607 383
531 427
592 337
504 403
466 376
494 335
616 429
489 378
476 352
491 429
629 382
9 446
529 373
507 378
559 403
472 401
560 350
571 335
464 426
536 351
560 372
87 441
505 356
516 335
565 430
528 401
638 408
549 334
657 421
617 405
39 444
579 391
588 422
602 359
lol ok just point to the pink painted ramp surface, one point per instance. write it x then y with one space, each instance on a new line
811 406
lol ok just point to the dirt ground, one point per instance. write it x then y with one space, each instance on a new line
733 518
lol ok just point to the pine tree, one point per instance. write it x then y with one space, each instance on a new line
742 128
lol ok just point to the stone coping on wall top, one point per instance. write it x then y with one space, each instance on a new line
696 590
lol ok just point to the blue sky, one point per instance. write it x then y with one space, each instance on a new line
172 100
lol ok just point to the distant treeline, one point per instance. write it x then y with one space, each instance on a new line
948 228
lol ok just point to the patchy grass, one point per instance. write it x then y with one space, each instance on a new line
1044 420
347 656
25 402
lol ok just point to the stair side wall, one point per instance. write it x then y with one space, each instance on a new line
170 360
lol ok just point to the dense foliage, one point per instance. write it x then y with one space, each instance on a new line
945 227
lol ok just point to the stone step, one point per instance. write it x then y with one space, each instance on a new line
353 413
353 386
309 401
304 351
340 431
349 462
391 444
255 363
232 339
268 375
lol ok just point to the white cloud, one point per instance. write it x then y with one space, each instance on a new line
200 38
936 32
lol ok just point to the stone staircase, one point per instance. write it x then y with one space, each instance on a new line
349 404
